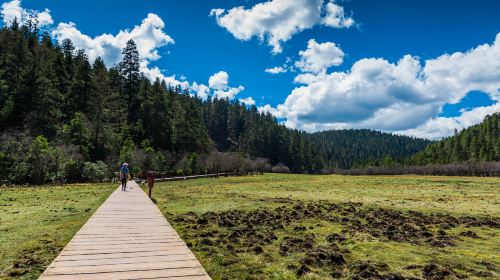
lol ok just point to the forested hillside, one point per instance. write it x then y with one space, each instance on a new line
63 118
345 149
478 143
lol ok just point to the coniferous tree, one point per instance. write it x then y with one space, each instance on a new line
129 70
106 111
81 85
45 99
161 122
478 143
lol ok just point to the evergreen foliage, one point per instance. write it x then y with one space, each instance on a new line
478 143
345 149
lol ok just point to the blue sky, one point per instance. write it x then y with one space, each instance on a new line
195 46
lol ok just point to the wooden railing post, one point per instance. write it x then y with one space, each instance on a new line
151 182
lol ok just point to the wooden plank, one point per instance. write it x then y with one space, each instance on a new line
130 246
95 239
110 268
84 242
126 238
121 255
189 273
131 260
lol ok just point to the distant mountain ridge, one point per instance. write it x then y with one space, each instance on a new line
363 147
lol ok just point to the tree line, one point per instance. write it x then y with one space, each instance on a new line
65 119
478 143
479 169
357 148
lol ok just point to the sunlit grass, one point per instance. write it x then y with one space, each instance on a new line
37 222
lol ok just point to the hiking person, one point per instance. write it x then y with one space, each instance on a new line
124 172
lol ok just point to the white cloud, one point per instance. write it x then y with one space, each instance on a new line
440 127
216 12
229 92
247 101
319 57
201 90
277 21
315 59
276 70
44 18
458 73
335 16
11 10
404 97
218 87
268 109
219 82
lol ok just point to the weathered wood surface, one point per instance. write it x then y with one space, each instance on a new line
126 238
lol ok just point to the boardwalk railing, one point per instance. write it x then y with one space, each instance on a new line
180 178
151 179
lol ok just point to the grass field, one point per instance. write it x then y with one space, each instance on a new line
286 226
37 222
318 227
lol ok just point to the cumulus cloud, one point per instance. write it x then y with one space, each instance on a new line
219 82
276 70
319 56
216 12
13 10
315 59
335 16
230 92
268 109
440 127
404 97
247 101
201 90
44 18
277 21
284 68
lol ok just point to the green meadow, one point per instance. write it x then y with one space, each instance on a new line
37 222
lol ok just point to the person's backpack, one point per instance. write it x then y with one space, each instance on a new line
123 173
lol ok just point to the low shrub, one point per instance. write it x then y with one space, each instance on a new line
280 168
94 172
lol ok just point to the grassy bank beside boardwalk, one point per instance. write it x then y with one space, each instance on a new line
279 226
37 222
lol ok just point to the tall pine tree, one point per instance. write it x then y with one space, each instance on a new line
129 70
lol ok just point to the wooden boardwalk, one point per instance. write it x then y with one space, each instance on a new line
126 238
